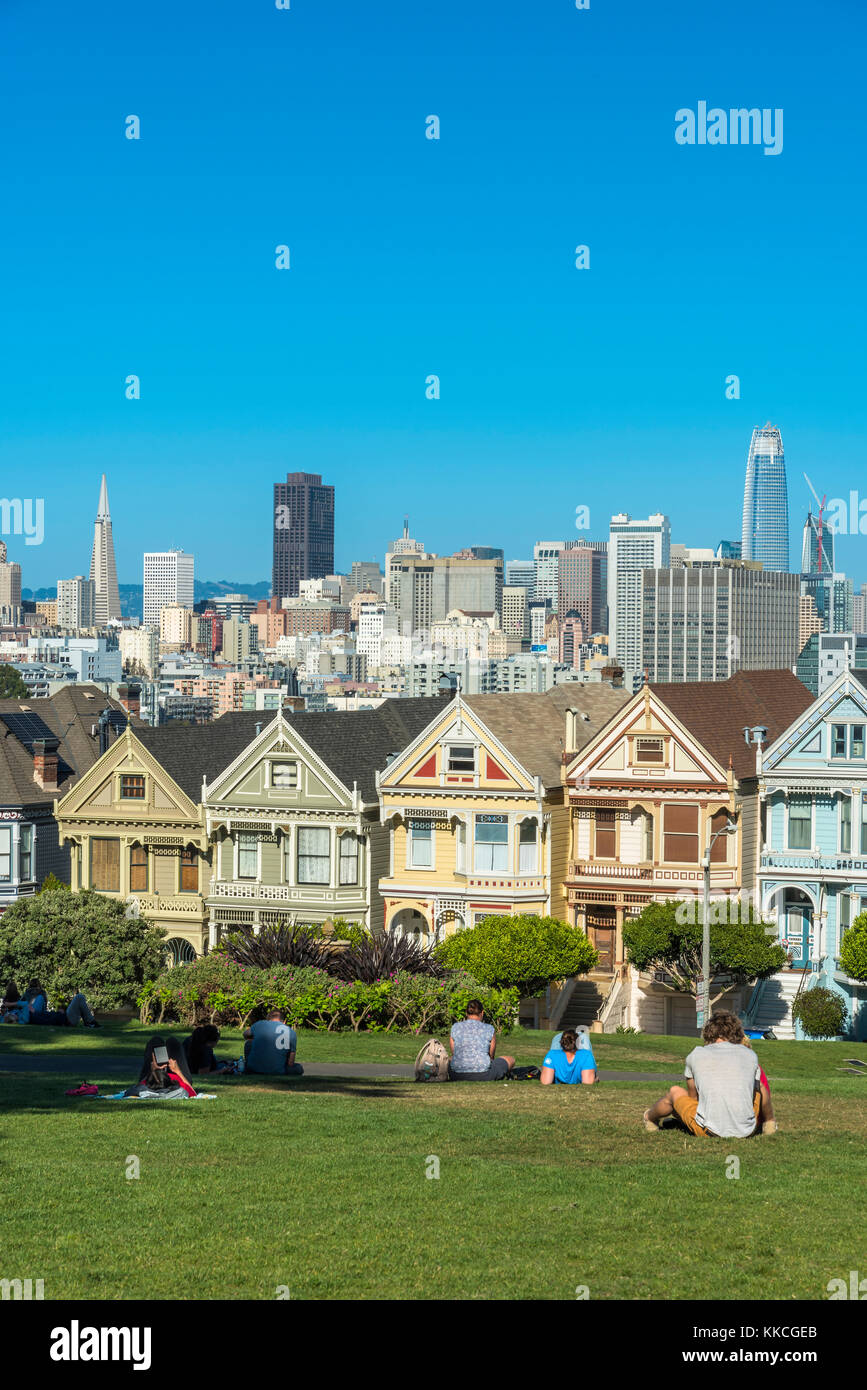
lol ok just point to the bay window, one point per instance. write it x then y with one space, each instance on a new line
314 854
348 859
800 822
248 856
528 847
492 845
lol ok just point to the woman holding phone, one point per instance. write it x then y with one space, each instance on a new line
164 1072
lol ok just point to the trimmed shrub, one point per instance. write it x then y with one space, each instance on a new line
213 989
820 1012
522 952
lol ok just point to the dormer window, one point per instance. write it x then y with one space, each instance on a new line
461 757
649 750
132 787
284 777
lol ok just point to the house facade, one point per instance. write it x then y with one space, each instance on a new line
812 871
648 796
477 810
45 747
294 820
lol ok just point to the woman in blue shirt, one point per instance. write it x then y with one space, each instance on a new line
567 1065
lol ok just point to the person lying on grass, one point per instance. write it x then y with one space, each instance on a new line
199 1050
568 1064
725 1097
164 1072
270 1047
33 1009
474 1045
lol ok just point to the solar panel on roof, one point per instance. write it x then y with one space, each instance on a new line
26 728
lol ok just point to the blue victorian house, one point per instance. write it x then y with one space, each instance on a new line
812 871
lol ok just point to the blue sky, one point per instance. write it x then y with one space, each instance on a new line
409 257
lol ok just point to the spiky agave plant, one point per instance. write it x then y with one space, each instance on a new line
284 944
382 955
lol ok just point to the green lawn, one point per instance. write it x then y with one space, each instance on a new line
320 1186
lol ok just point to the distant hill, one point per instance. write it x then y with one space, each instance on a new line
131 594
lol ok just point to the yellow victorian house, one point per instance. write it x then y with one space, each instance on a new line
136 828
478 811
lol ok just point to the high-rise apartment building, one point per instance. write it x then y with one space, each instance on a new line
546 561
516 616
634 546
521 574
303 532
706 622
139 649
176 625
76 603
580 585
169 579
765 533
10 588
240 641
103 570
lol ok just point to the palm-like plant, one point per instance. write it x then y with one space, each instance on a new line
382 955
285 944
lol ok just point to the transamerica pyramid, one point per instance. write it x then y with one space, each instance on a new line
103 571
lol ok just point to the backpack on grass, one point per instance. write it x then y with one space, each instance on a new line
432 1062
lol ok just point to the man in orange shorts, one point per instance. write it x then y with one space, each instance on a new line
725 1095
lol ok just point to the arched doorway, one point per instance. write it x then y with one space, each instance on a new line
413 925
178 951
794 909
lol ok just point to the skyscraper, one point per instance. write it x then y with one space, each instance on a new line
103 571
546 557
169 580
817 549
633 547
579 585
303 532
10 588
765 533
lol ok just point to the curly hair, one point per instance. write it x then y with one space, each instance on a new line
723 1026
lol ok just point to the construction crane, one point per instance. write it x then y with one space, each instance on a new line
820 527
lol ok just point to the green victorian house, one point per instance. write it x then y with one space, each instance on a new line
293 821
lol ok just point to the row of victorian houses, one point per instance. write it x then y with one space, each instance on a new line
423 816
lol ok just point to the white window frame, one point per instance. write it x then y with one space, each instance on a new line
315 883
348 836
806 848
845 801
273 763
249 835
421 868
535 846
461 841
30 831
505 845
461 771
6 853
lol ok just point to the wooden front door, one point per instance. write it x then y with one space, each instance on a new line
603 939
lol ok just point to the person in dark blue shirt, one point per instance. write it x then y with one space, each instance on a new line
567 1064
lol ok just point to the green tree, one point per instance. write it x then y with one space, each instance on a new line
524 952
820 1012
662 938
12 686
53 884
72 941
853 949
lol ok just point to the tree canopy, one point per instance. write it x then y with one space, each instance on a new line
661 938
12 685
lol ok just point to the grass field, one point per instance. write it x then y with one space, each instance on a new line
319 1185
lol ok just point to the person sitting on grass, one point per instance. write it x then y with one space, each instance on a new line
77 1010
199 1049
568 1064
14 1009
270 1047
36 998
164 1072
474 1044
724 1096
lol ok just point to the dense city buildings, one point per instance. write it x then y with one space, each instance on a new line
169 579
76 603
825 656
103 569
423 588
765 533
303 532
581 585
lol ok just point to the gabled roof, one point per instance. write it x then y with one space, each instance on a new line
717 712
70 715
354 744
533 726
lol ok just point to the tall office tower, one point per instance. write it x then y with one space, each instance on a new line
579 586
633 548
516 615
103 570
169 578
546 559
76 602
817 549
240 641
303 532
424 588
809 621
10 588
521 574
859 611
834 597
705 623
826 656
366 577
404 545
765 534
539 611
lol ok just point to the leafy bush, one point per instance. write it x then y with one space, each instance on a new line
79 941
522 952
286 944
353 932
820 1012
52 884
375 956
853 949
662 937
214 989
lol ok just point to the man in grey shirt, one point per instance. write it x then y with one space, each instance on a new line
725 1095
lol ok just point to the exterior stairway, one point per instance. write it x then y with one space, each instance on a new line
774 1006
584 1004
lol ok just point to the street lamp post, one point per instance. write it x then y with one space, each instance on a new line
703 1002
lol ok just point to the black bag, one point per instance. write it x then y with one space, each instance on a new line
525 1074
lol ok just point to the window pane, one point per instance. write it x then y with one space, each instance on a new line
132 787
189 871
800 822
248 856
348 859
138 869
5 854
421 846
462 758
846 825
314 855
857 750
284 776
838 740
25 853
864 824
528 858
105 865
649 750
719 852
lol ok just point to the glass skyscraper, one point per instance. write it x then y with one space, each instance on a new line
765 534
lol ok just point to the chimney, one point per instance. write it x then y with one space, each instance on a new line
46 763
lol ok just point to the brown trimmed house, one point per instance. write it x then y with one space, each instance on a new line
647 795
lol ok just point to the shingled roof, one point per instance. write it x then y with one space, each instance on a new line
717 712
533 726
71 715
354 744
